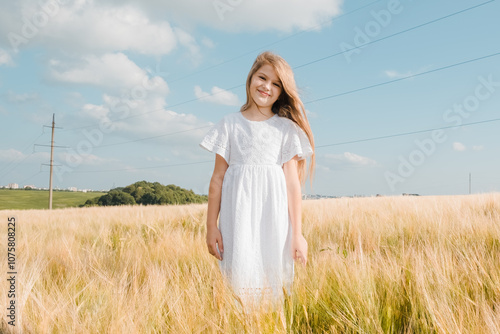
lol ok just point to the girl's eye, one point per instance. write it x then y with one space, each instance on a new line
262 78
277 85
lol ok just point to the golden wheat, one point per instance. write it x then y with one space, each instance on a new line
377 265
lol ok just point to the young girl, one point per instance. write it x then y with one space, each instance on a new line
256 184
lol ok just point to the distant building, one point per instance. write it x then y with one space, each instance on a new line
72 189
13 186
29 186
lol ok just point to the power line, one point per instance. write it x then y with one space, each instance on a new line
234 58
28 178
331 96
275 42
299 66
140 168
336 95
409 133
152 137
395 34
237 57
22 160
23 150
320 146
404 78
156 110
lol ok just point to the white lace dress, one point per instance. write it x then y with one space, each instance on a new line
254 221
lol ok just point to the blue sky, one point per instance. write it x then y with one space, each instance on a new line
135 86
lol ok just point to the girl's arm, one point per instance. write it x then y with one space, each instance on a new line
299 243
214 237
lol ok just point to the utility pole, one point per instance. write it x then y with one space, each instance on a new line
51 156
51 160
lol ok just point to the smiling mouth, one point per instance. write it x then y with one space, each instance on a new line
263 93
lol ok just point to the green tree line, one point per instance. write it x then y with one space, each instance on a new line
147 193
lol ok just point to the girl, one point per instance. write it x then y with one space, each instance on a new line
256 183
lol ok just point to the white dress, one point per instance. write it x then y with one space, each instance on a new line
254 220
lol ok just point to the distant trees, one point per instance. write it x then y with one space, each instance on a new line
115 197
147 193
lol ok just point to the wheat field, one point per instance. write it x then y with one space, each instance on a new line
376 265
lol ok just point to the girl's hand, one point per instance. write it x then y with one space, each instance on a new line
299 248
214 239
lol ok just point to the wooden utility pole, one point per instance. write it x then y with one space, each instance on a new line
51 156
51 160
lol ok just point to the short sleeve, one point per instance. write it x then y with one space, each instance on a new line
295 142
217 140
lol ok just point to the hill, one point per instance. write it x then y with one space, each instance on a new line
147 193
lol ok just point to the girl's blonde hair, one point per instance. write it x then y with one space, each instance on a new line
287 105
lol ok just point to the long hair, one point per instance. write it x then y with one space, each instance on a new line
287 105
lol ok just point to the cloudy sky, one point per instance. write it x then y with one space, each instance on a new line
402 96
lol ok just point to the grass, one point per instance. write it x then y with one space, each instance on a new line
376 265
21 199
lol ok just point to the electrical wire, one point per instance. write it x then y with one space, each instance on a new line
20 161
395 34
140 168
333 96
275 42
297 67
408 133
404 78
318 146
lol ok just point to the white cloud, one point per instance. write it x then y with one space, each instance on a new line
5 58
190 44
217 95
107 26
240 15
85 159
85 26
88 26
356 159
113 71
208 43
11 155
478 147
311 114
346 159
144 119
393 74
396 74
74 99
157 159
95 112
459 146
20 98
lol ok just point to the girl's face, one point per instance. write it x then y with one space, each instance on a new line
265 86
